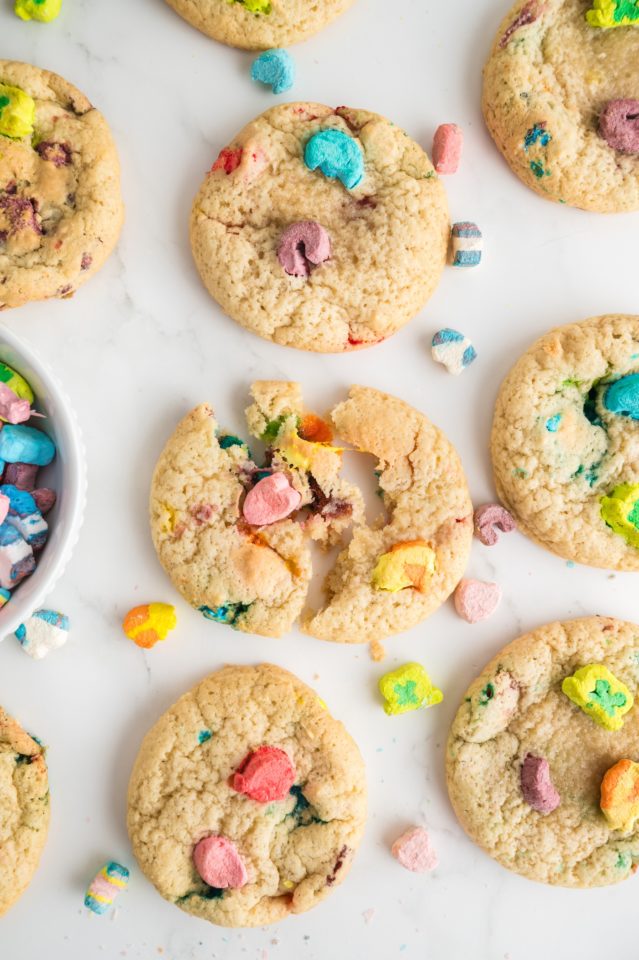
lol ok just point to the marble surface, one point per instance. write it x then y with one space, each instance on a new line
142 343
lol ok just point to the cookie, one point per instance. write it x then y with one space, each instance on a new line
252 569
373 192
60 204
24 809
426 538
259 24
249 777
255 581
526 766
560 100
564 443
253 576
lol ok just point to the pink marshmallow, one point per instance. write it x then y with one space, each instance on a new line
21 475
45 499
12 408
476 600
619 125
488 517
218 862
447 148
4 507
270 500
536 785
266 775
414 851
303 245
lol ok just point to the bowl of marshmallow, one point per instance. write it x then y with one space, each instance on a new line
42 482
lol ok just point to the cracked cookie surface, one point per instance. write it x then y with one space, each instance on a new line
558 450
424 490
235 23
256 578
295 850
389 234
60 204
516 707
24 809
549 76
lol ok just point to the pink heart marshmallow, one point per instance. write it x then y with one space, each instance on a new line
218 862
270 500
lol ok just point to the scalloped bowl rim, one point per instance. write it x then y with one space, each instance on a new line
67 475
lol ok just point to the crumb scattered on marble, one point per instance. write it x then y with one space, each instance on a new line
377 651
368 914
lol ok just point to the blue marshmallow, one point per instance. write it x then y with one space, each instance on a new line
453 350
20 501
337 155
25 516
20 444
552 424
45 631
622 397
275 68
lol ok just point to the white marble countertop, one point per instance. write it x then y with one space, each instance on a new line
142 342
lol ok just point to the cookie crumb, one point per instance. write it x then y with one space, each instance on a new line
377 651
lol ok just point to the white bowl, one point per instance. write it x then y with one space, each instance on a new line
66 475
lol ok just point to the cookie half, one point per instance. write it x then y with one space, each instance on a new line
388 233
254 579
424 490
259 24
551 85
292 851
24 809
61 209
564 442
516 709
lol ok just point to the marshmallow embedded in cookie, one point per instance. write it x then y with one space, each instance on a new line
334 220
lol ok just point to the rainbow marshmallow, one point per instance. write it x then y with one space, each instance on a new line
105 886
43 632
468 244
16 557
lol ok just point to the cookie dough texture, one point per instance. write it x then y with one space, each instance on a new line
212 557
426 497
288 21
389 234
554 76
296 850
332 503
516 707
61 209
553 480
24 809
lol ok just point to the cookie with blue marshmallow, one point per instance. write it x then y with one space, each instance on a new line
356 180
561 100
565 438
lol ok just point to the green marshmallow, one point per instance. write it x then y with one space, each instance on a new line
254 6
17 113
621 512
43 10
